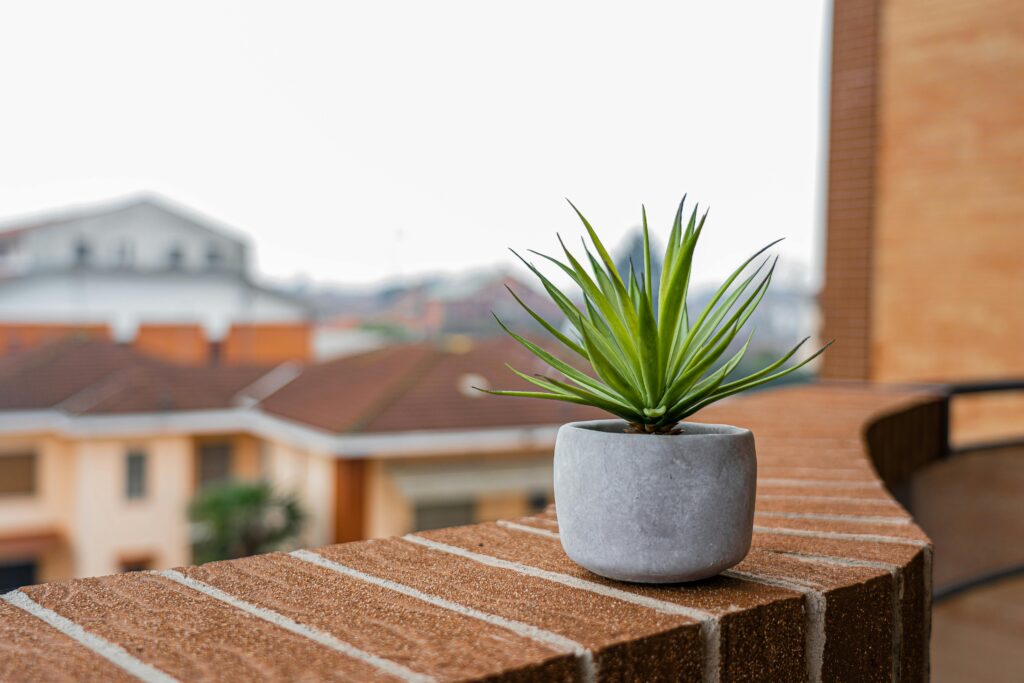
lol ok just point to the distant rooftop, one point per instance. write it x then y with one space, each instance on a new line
400 388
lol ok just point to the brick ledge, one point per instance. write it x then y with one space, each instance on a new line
836 588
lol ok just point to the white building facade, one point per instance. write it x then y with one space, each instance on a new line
138 261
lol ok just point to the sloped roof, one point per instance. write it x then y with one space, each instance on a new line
78 212
85 376
410 387
420 387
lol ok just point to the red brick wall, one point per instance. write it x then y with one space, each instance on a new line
270 343
846 296
184 344
16 337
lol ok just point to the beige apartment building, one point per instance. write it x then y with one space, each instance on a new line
102 447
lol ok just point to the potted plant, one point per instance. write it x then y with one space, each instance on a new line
648 497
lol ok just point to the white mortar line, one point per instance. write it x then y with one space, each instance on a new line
828 559
114 654
823 483
553 640
709 623
547 521
288 624
806 468
897 595
826 499
814 643
829 517
547 533
841 536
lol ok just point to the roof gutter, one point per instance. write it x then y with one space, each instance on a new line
267 426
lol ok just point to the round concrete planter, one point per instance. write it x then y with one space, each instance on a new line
653 508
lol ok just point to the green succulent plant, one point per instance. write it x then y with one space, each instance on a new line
648 362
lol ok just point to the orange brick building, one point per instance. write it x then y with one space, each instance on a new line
925 247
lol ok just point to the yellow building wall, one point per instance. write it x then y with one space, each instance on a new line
310 476
108 527
948 286
388 511
80 494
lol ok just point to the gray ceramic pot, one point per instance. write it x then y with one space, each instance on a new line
651 508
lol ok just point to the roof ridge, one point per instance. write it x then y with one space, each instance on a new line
407 380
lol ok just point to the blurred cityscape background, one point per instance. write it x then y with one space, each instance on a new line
246 291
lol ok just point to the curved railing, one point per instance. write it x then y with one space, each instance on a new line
997 573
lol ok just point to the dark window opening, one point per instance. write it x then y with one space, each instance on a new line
82 253
444 514
136 564
175 258
214 257
17 474
17 575
135 475
538 501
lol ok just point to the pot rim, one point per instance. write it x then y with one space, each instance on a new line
718 431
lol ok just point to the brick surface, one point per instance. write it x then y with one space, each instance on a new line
835 588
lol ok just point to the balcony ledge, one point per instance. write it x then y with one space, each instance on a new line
836 587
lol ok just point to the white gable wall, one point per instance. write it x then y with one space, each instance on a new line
140 236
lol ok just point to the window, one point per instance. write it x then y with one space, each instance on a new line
444 514
82 253
17 474
175 258
136 564
214 256
538 501
135 475
17 575
214 463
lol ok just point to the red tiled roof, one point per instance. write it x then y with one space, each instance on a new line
85 376
419 387
399 388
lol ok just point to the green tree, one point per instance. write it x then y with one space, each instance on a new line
238 519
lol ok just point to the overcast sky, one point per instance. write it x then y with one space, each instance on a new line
361 141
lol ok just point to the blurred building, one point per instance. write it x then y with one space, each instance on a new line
925 249
462 304
102 447
149 273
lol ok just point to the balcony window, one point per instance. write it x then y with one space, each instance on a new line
17 474
135 475
214 463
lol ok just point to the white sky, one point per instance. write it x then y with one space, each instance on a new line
360 141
